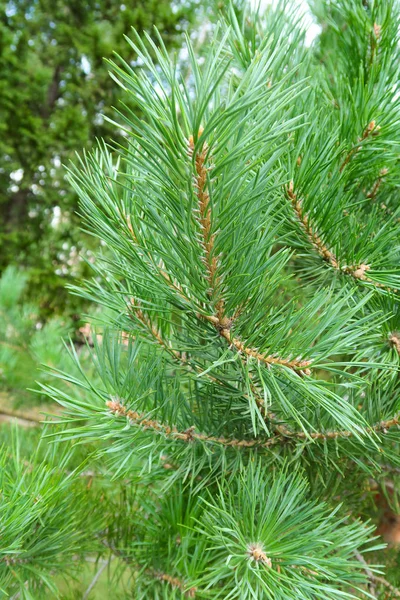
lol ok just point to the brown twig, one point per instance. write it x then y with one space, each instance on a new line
282 429
358 272
185 361
380 427
371 129
174 582
309 230
371 585
23 419
375 188
203 217
223 327
144 319
189 435
221 322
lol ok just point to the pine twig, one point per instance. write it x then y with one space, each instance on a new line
371 129
184 361
189 435
375 188
23 419
305 223
358 272
203 218
283 430
153 330
380 427
207 239
376 579
299 365
371 585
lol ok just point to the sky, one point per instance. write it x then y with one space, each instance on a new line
312 28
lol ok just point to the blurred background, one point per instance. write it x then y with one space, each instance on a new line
55 98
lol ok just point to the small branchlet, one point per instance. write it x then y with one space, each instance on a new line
309 230
176 583
356 271
152 329
380 427
223 327
372 129
375 188
203 217
189 435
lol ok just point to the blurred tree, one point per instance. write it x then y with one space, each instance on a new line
54 91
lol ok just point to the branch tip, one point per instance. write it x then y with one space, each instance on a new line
256 552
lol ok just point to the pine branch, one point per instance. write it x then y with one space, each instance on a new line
189 435
95 580
174 582
154 331
371 577
223 327
358 272
220 321
282 429
22 418
375 188
185 362
305 223
203 217
380 427
371 129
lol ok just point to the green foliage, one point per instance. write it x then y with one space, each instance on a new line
245 387
44 532
300 537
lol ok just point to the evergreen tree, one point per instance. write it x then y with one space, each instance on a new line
246 396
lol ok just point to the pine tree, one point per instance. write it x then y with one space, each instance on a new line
245 402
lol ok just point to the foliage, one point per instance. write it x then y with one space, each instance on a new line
43 533
246 390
